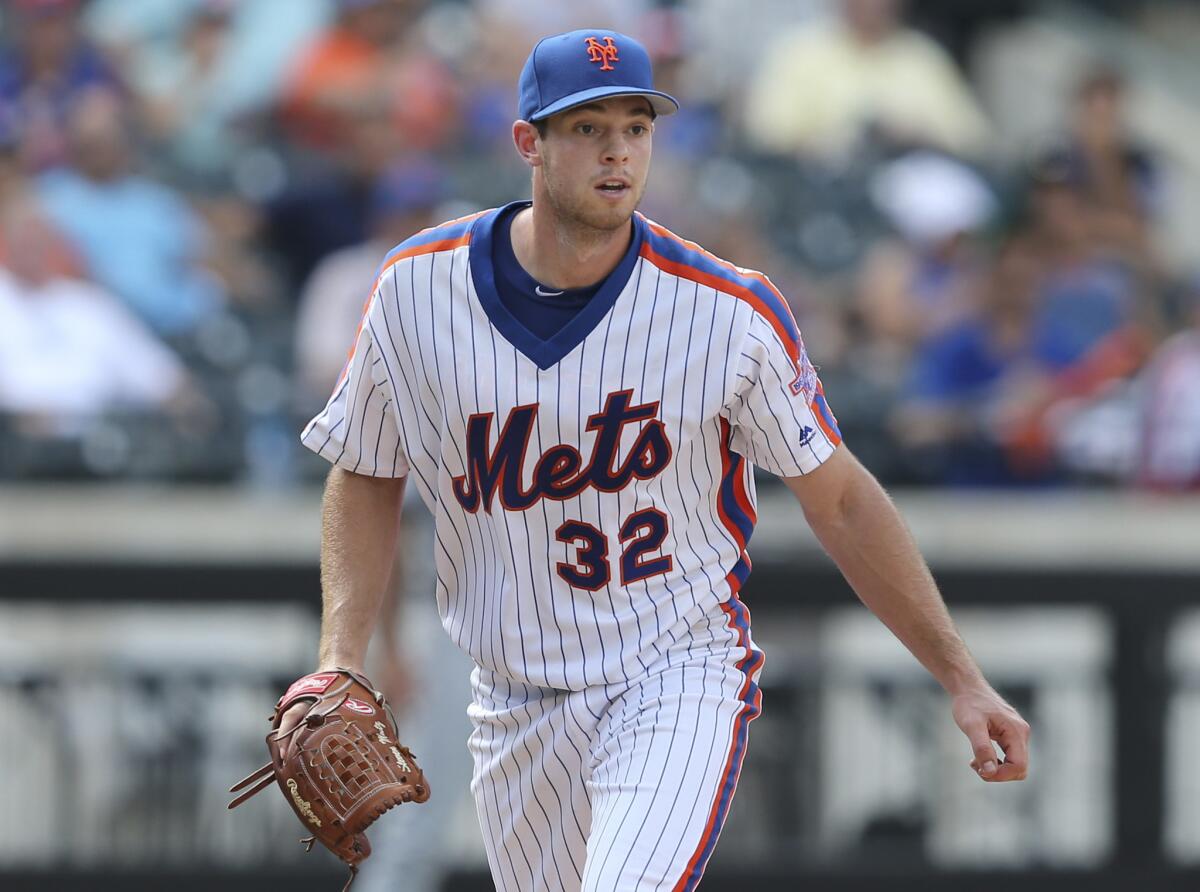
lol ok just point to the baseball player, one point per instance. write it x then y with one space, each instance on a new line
578 395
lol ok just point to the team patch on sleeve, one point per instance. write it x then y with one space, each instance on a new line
805 382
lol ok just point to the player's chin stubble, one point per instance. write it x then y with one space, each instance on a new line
584 211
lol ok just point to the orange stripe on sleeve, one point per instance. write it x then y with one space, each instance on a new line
685 271
736 270
448 244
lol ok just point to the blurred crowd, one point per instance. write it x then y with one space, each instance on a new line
195 196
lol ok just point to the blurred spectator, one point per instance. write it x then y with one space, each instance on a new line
69 350
139 239
325 203
695 131
12 174
1116 173
918 286
123 27
823 89
15 189
968 381
1170 395
180 87
46 66
402 203
1088 293
1117 177
260 46
694 183
343 68
368 59
1057 326
722 27
366 94
488 74
234 249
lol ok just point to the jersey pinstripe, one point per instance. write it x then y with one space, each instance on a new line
620 787
592 502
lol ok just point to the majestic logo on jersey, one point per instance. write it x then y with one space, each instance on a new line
560 472
604 53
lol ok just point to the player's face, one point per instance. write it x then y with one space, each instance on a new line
595 159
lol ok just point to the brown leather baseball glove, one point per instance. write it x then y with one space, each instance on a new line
344 767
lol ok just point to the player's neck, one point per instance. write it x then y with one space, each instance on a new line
561 256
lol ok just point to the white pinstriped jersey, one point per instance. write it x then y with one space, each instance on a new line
591 493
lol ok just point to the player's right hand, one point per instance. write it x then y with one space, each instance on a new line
290 719
984 716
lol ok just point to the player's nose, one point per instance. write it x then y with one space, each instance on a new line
616 150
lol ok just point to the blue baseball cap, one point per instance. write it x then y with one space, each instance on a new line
582 66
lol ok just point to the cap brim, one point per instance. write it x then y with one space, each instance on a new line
660 102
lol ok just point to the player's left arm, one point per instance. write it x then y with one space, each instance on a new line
859 526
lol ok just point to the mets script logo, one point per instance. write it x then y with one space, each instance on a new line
604 53
560 472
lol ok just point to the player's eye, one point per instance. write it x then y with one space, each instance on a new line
585 129
639 129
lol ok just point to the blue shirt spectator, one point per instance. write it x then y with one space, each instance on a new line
1073 315
138 238
1080 308
961 364
42 72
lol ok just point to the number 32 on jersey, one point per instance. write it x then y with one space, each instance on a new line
561 474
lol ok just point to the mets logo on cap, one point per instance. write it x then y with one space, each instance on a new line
587 65
605 53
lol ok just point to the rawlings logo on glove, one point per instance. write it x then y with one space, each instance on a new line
360 707
339 766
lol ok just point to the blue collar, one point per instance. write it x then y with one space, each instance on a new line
544 353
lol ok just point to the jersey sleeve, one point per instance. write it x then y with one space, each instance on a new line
358 429
778 414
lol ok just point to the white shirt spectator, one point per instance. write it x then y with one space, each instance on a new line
819 87
70 349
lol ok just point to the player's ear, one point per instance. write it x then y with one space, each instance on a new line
526 139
